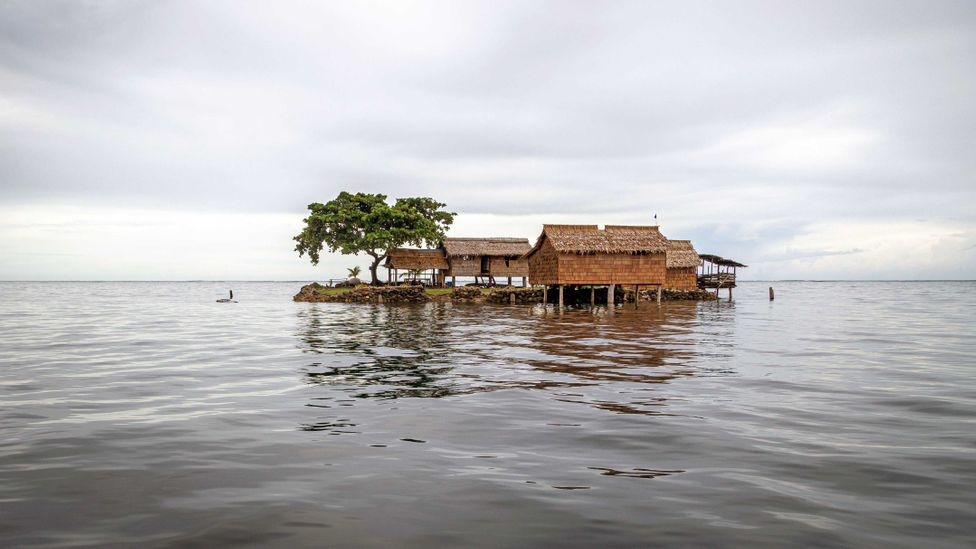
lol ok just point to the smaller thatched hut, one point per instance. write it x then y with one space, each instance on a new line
427 266
682 263
487 258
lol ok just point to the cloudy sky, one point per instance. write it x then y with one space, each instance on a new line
169 140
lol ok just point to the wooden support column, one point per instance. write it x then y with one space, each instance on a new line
730 293
561 302
659 294
610 289
592 296
525 283
545 295
509 281
771 295
389 276
636 295
454 281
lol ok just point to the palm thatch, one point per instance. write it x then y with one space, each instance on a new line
506 247
414 259
614 239
681 254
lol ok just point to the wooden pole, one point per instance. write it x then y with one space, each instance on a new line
545 294
509 281
511 298
561 302
730 293
659 295
454 281
771 295
592 296
610 295
525 282
636 295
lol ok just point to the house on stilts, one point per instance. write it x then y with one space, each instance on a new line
488 260
589 256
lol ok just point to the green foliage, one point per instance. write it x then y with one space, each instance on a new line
354 271
366 223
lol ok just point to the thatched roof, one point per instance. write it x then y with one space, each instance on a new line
410 258
509 247
614 239
681 254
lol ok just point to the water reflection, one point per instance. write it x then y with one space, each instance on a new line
606 359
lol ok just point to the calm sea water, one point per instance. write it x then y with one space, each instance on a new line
842 414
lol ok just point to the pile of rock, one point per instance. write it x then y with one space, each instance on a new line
315 292
674 295
516 296
467 294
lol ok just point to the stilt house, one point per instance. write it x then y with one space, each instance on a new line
585 254
487 259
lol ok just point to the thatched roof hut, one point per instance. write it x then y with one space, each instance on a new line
487 257
586 254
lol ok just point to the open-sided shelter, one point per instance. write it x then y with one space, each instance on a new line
487 258
426 265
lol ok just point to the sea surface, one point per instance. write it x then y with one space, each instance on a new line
842 414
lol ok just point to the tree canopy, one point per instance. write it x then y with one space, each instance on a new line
366 223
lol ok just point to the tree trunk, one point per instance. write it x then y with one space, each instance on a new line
373 266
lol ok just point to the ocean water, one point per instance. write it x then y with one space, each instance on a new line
843 414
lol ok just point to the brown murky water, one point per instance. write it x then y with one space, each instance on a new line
842 414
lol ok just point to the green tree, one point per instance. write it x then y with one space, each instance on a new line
366 223
354 271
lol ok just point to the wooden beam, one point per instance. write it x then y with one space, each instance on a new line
561 302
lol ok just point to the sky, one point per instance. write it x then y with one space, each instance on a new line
172 140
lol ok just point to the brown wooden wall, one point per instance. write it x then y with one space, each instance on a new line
544 265
611 269
548 267
681 278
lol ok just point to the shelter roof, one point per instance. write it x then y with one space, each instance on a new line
719 260
411 258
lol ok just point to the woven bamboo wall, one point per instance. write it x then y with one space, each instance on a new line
681 278
544 265
612 269
464 267
515 267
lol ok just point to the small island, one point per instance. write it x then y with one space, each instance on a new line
567 265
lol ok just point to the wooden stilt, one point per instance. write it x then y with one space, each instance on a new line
454 281
545 294
610 289
511 298
636 295
771 295
509 281
592 296
525 282
730 293
659 294
561 302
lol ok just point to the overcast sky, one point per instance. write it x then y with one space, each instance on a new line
168 140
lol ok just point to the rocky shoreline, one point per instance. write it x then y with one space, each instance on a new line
317 293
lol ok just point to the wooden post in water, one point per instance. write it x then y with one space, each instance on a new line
509 281
610 296
636 295
511 298
771 296
545 295
730 293
561 303
659 295
525 283
592 296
